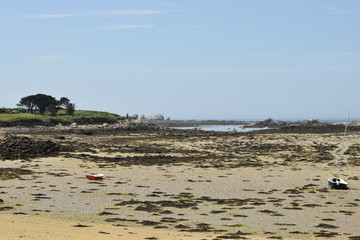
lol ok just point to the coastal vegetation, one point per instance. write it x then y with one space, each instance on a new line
14 117
42 109
40 103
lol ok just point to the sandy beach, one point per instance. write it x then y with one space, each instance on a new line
30 227
183 185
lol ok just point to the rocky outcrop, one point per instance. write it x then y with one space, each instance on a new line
310 122
155 117
135 117
271 123
14 147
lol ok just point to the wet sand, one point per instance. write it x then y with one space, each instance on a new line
30 227
184 186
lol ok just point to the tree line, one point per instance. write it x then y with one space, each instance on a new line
40 103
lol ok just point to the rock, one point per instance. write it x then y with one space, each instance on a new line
135 117
269 122
142 117
14 147
156 117
59 137
310 122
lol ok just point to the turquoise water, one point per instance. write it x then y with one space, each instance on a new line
222 128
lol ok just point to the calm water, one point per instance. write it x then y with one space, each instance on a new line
222 128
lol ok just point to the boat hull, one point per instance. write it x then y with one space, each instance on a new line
337 183
95 176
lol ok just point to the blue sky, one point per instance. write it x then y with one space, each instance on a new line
186 59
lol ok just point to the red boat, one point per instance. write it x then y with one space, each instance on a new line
94 176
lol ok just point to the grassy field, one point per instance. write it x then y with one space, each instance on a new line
80 117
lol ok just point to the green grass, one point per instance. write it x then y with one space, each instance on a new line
80 117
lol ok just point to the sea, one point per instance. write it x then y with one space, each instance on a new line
240 128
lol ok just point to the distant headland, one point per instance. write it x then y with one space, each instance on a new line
46 110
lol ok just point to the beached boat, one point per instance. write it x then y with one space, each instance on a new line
337 182
94 176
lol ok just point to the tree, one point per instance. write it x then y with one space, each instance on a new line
54 108
28 102
64 101
42 103
70 108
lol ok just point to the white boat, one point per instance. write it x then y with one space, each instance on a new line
336 182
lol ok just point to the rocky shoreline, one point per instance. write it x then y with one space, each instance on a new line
138 126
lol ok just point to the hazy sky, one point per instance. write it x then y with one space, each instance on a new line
186 59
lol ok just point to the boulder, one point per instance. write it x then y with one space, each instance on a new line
135 117
310 122
270 123
156 117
